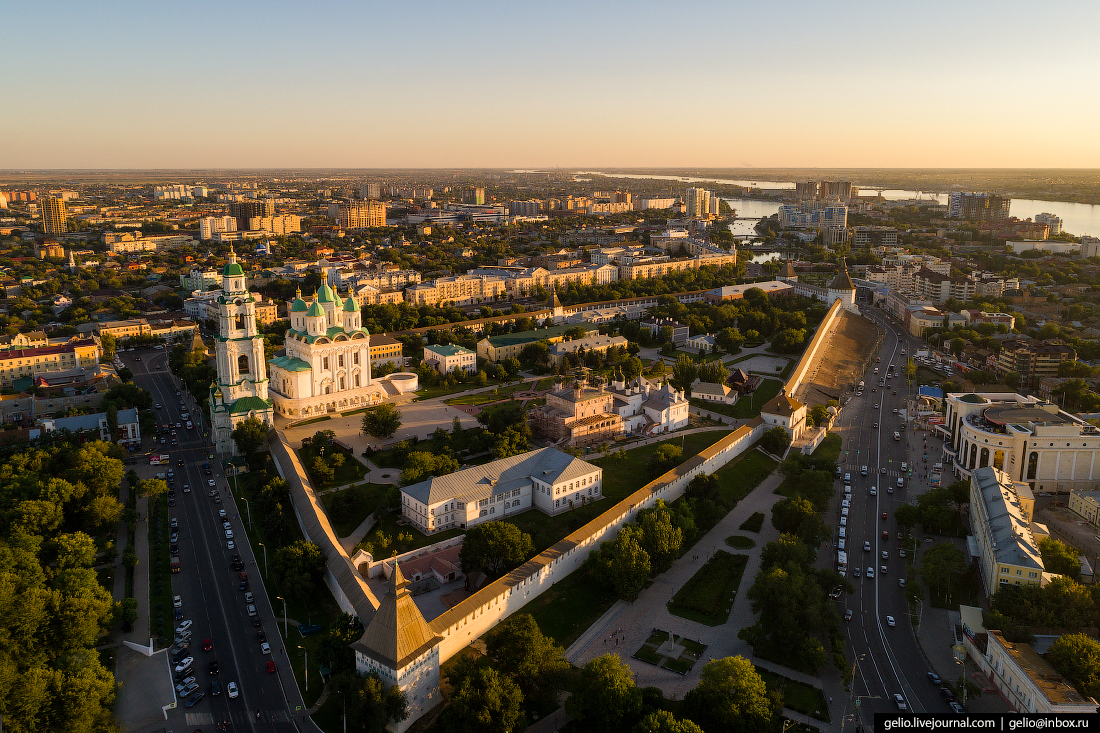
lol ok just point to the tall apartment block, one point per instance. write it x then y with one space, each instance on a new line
699 203
474 196
211 225
359 214
1051 220
243 211
53 216
370 191
978 206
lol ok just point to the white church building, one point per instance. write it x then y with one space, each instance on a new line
326 367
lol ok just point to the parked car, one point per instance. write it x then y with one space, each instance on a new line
194 699
187 662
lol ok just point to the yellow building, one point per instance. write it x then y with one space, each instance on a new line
126 329
384 349
266 311
501 348
18 363
1001 511
53 216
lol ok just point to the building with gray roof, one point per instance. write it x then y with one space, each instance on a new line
1001 511
546 479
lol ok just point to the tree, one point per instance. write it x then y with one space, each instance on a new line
382 421
112 422
420 464
776 440
1077 657
109 344
907 516
367 703
520 650
1060 558
820 415
660 538
152 487
789 340
487 702
940 565
75 550
910 369
664 458
629 564
297 567
957 346
322 470
731 696
714 372
684 373
249 435
796 516
512 366
631 368
662 721
494 548
730 340
607 698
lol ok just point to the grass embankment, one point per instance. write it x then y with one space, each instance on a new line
348 508
799 696
708 595
753 523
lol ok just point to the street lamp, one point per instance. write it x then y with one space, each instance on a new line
265 557
306 653
285 632
248 508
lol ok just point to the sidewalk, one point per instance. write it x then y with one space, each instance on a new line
650 610
353 539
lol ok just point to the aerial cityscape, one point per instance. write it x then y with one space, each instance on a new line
411 382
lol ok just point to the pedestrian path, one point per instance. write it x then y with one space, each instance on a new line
357 534
650 611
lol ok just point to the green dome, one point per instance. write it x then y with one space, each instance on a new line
350 306
298 306
316 309
232 269
325 294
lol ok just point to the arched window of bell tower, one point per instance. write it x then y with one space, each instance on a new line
240 322
242 364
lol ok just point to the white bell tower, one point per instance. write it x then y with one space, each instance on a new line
241 389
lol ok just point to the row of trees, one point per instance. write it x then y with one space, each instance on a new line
54 502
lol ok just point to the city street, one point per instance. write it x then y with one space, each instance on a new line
208 586
888 659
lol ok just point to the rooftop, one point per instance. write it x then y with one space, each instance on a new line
523 337
479 482
1044 676
447 349
1009 529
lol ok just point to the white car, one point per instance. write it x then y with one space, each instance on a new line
904 466
265 648
890 621
231 545
177 602
185 625
866 546
189 689
231 688
900 701
844 512
844 520
874 491
183 685
870 572
885 555
184 664
229 534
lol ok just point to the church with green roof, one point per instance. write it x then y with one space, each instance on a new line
326 367
241 390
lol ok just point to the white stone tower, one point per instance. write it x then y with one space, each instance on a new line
401 649
241 389
842 289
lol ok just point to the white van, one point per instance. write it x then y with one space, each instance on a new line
901 482
843 533
840 544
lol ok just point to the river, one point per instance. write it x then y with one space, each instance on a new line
1077 219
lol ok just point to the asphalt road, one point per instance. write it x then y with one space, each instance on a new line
207 584
888 659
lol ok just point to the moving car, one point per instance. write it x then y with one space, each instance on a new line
229 534
270 666
251 609
934 679
890 621
848 615
870 572
231 689
956 708
213 666
265 648
885 555
900 701
207 645
866 546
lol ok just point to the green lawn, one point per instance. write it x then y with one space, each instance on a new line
366 497
708 596
740 542
743 474
545 383
749 405
429 393
829 448
753 523
621 477
312 420
806 699
566 610
350 471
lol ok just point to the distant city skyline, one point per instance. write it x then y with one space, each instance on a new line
704 84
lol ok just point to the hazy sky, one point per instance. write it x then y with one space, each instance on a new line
594 84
